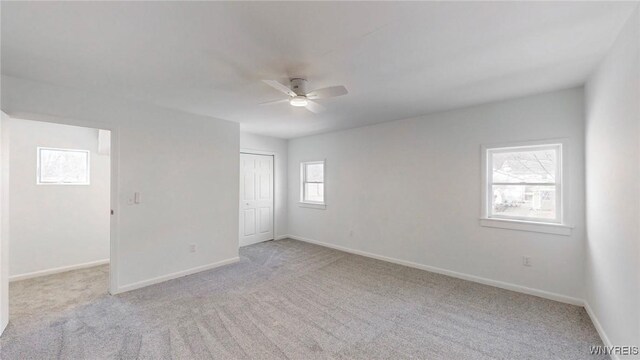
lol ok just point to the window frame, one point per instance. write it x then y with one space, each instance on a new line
39 166
303 178
559 225
557 184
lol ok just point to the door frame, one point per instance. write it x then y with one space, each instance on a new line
273 185
114 181
4 225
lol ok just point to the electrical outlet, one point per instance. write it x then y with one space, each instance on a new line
192 248
526 261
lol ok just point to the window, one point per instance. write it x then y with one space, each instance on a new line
524 183
312 182
63 166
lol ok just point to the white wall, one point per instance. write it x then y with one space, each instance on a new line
4 223
55 226
613 189
278 146
411 190
185 166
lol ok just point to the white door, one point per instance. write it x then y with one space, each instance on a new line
256 198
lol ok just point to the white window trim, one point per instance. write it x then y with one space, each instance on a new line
559 226
313 204
547 228
39 182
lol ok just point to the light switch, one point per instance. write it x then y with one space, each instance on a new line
137 198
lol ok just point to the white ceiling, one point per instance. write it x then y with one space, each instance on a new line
398 60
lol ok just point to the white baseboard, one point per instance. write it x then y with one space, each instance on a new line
3 325
478 279
280 237
57 270
599 329
175 275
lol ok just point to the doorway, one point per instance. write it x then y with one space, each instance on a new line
59 199
256 198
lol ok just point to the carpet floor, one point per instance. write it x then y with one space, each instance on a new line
290 300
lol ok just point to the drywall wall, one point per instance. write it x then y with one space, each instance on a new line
410 190
278 147
55 227
613 190
185 167
4 223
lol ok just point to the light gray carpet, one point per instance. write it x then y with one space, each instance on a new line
288 299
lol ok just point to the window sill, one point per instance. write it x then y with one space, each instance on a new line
313 205
547 228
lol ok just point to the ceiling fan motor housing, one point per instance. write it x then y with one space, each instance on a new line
299 86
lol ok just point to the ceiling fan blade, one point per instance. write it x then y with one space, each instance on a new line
328 92
314 107
280 87
274 102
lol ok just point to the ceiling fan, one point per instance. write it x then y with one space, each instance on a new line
298 95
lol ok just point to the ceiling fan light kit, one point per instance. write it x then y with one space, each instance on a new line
299 97
299 101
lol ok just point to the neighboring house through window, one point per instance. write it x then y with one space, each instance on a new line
524 183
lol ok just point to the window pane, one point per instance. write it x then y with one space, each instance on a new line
314 192
532 166
315 172
64 166
524 201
